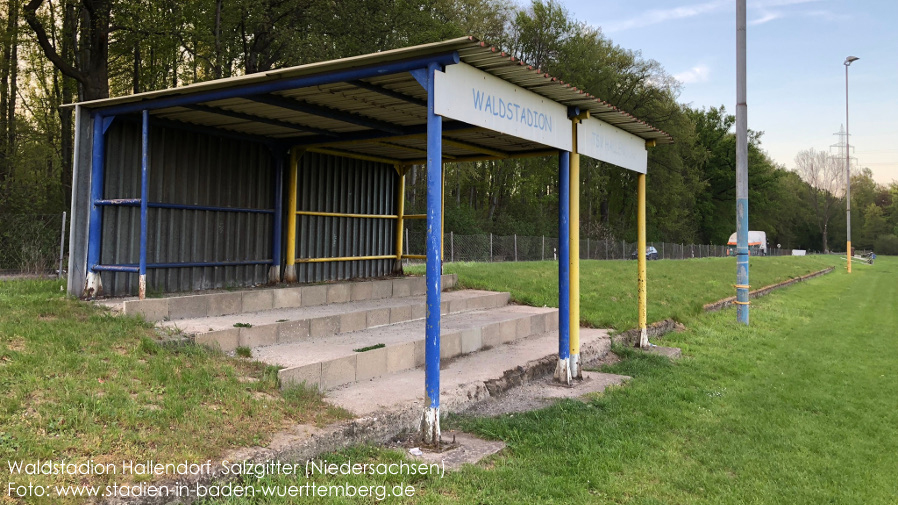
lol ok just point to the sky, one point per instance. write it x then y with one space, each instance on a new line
796 76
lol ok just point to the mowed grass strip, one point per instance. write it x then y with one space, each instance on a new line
676 288
799 408
78 383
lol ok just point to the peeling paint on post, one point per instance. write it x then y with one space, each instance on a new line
563 369
430 422
93 285
641 266
144 195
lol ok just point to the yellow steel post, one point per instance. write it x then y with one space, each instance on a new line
400 222
290 271
640 255
574 260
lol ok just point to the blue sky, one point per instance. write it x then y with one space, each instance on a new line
796 79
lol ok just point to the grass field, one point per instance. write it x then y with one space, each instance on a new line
78 383
676 289
797 408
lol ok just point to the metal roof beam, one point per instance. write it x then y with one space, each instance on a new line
257 119
388 92
359 137
201 129
326 112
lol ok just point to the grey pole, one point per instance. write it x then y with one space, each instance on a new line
741 168
848 61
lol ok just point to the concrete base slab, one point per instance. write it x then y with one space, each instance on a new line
460 449
543 393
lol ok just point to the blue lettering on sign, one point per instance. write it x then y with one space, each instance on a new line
511 111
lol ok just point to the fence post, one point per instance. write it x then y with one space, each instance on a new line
491 247
515 246
662 250
61 245
452 247
544 248
587 247
406 246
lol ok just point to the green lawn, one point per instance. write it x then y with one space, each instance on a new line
801 407
676 288
78 383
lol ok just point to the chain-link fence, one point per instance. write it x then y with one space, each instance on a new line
488 247
32 243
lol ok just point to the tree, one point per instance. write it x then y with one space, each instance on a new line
823 174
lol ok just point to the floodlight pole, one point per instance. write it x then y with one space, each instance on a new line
741 169
848 61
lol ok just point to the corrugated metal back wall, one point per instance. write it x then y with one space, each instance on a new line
331 184
191 169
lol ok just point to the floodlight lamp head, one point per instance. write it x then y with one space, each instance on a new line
850 59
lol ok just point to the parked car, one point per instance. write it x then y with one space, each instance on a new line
650 253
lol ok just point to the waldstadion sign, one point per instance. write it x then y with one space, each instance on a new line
478 98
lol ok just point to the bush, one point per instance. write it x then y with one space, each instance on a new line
886 244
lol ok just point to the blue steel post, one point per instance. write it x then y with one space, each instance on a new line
563 369
430 424
274 274
144 196
94 287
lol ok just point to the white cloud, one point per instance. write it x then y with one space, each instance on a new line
698 73
656 16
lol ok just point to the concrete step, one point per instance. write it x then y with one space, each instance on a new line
286 325
332 361
174 308
474 377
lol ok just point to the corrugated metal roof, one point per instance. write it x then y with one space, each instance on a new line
381 116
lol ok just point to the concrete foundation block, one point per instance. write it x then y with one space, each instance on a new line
551 320
420 353
401 357
338 293
538 324
224 340
419 311
444 308
287 298
324 326
402 287
491 335
418 286
223 304
471 340
400 314
151 309
185 307
508 331
378 317
293 331
381 289
255 301
460 305
337 372
523 327
314 295
370 364
353 321
450 345
310 375
258 336
361 291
